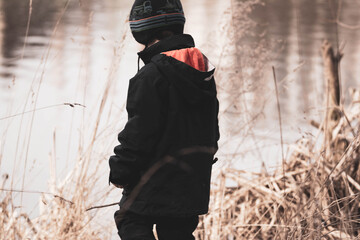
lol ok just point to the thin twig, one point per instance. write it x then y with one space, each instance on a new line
280 121
102 206
36 192
348 122
43 108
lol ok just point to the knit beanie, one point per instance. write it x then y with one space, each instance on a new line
149 17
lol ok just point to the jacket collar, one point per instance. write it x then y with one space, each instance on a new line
171 43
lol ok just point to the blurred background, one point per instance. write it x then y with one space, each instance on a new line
65 67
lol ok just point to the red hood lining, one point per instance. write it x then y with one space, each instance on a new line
191 56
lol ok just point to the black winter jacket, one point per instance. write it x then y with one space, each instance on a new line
166 149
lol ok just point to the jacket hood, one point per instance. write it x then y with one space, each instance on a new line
196 87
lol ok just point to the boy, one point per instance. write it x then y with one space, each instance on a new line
167 147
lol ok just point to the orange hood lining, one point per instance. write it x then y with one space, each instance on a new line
191 56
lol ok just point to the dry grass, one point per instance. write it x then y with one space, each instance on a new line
59 218
317 198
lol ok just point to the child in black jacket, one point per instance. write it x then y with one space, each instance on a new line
167 147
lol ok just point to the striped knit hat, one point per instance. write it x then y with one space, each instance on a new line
149 17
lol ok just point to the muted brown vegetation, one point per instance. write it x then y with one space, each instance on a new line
314 195
318 198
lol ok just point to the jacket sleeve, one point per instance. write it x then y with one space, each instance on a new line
141 133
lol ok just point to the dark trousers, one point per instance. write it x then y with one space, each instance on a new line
136 227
